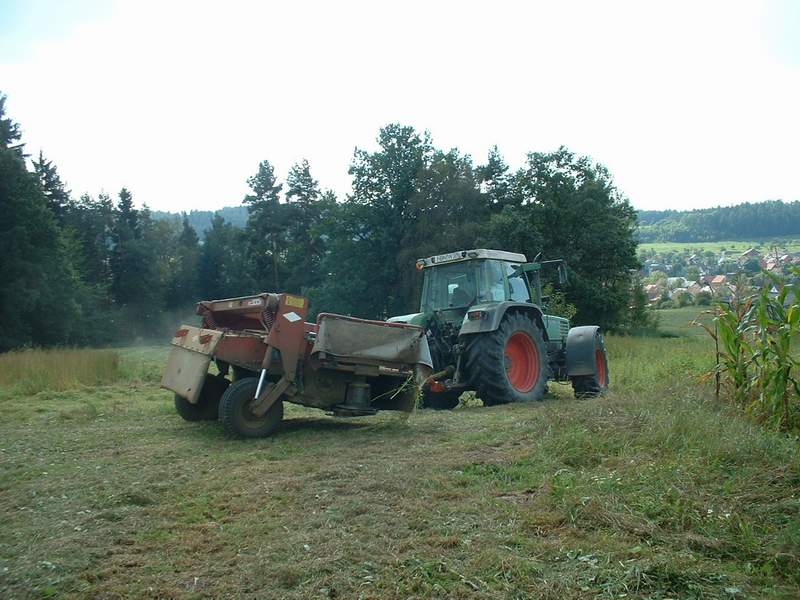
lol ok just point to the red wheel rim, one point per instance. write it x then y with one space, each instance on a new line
600 359
522 362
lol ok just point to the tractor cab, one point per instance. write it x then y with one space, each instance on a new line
454 282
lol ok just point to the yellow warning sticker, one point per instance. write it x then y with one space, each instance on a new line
295 301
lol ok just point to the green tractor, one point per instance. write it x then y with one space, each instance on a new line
482 311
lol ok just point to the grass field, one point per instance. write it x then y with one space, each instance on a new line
680 321
654 491
790 244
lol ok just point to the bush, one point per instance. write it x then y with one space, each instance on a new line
703 299
681 299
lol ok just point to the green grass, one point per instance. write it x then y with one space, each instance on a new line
653 492
679 321
791 244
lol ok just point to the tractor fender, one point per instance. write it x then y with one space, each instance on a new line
581 345
493 315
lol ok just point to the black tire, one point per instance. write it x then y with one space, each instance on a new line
207 406
596 384
237 421
441 400
490 370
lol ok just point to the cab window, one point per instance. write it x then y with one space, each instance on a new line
517 285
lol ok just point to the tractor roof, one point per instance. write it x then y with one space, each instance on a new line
463 255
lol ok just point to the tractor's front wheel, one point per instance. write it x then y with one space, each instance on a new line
237 418
596 383
509 364
206 407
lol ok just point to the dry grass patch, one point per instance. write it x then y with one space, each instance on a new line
35 370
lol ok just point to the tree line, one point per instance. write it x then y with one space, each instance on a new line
746 221
98 270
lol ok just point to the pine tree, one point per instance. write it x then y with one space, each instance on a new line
304 244
9 130
56 193
183 284
133 262
266 228
37 287
494 179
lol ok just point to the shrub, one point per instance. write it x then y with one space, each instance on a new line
702 299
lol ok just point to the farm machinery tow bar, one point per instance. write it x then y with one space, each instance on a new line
483 325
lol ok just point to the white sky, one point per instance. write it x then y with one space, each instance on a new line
690 104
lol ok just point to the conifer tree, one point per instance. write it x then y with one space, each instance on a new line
56 193
266 228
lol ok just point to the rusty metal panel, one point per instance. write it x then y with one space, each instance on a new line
371 342
242 350
288 333
188 361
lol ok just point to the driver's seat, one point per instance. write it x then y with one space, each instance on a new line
460 297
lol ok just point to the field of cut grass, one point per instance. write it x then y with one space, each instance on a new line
791 244
653 492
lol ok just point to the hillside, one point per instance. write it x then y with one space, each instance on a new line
200 220
772 218
748 221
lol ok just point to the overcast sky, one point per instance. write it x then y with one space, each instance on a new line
690 104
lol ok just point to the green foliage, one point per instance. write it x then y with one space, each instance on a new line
557 302
55 191
266 229
9 130
183 286
582 217
703 299
754 334
681 299
305 208
37 299
640 320
120 273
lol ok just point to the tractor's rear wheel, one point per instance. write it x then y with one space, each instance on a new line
509 364
595 384
237 418
206 407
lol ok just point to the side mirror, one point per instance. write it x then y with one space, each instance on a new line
562 274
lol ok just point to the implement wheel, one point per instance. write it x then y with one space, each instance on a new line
595 384
207 406
509 364
236 417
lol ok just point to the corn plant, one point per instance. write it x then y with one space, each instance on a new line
776 319
754 335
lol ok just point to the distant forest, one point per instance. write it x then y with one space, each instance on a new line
201 220
773 218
